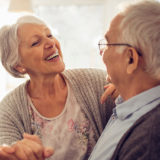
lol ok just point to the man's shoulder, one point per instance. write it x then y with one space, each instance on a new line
142 139
146 126
151 118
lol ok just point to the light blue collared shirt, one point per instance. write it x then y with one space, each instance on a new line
124 116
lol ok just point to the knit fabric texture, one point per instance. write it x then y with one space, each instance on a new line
88 86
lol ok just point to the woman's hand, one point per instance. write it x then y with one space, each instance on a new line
7 153
47 151
29 148
110 90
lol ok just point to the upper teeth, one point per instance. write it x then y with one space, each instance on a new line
52 56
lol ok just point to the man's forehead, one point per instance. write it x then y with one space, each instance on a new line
114 27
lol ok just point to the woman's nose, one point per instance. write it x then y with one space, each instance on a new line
50 43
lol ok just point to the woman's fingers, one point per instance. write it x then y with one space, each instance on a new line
104 96
7 149
20 151
47 151
34 149
110 90
5 155
32 137
115 94
29 148
31 155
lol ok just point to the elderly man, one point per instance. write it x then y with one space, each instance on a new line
132 58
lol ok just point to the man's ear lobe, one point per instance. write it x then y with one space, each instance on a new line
20 69
132 60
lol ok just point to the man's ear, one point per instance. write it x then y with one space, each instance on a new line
132 60
20 69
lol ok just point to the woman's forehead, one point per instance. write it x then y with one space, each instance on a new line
29 30
29 27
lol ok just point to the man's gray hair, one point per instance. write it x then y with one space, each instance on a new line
9 43
140 27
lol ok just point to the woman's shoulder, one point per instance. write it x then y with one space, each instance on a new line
14 95
85 72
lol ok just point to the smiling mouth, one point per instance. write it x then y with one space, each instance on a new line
54 55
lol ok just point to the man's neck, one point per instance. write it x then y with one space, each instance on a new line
137 86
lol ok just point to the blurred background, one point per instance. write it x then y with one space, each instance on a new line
77 24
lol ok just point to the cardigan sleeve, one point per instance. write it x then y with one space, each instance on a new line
14 116
9 122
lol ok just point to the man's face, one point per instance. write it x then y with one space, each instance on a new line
114 60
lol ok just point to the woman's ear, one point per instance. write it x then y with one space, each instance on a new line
132 60
20 69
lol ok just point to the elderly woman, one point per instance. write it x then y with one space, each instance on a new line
61 107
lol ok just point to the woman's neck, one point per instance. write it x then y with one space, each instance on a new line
46 86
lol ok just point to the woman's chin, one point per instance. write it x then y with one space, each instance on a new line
62 68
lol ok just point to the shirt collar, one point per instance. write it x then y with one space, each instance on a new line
125 108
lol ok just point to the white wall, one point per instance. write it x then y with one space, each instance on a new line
112 7
78 24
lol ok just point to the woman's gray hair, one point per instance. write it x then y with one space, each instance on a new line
140 27
9 43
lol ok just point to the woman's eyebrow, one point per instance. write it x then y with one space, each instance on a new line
47 29
29 39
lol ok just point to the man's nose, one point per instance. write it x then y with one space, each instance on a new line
102 51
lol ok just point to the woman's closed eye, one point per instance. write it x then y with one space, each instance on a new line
50 36
35 43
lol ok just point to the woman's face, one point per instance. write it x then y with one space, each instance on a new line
40 52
